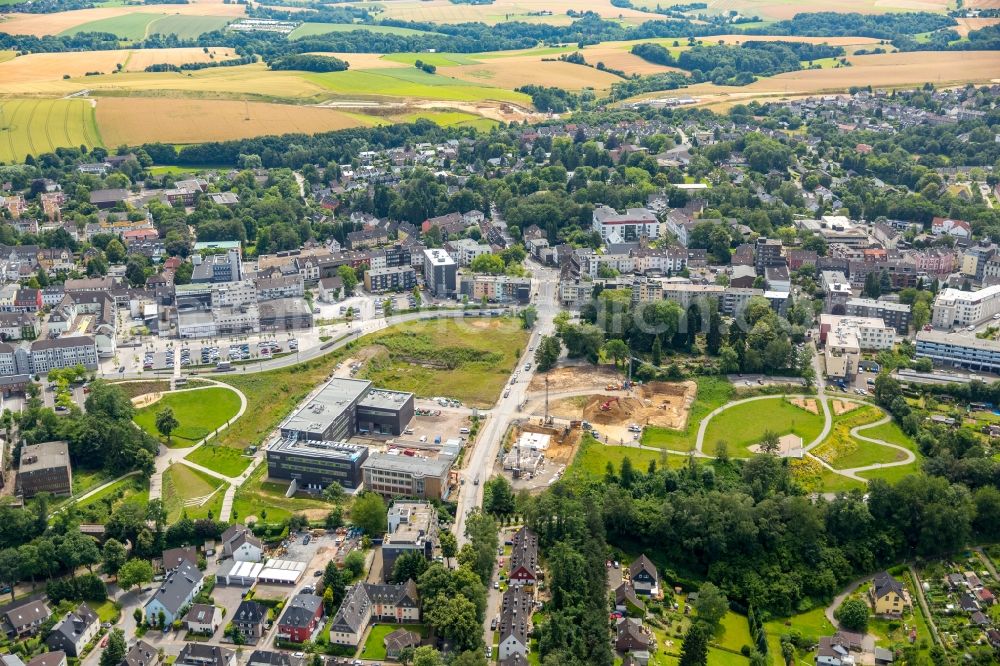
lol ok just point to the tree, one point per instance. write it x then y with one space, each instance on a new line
657 351
333 580
333 493
694 649
426 655
134 573
713 340
369 513
114 653
449 545
921 314
617 350
115 252
769 442
853 615
547 352
166 422
498 496
455 619
10 565
488 263
408 566
711 606
354 563
349 278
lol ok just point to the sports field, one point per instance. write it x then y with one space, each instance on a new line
36 126
199 412
135 120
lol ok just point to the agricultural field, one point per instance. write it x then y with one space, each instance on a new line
310 29
199 412
784 9
135 120
410 83
511 73
186 490
54 24
36 126
743 425
541 11
468 360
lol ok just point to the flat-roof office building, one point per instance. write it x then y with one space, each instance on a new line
345 407
316 464
440 273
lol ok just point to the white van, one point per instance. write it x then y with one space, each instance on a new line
463 431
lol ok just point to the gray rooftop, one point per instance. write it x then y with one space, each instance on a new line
46 455
436 467
177 587
327 405
384 399
319 449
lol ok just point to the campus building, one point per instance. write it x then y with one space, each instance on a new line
954 307
44 468
345 407
314 465
406 476
959 351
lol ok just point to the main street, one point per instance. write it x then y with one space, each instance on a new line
480 460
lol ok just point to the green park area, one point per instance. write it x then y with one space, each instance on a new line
264 501
98 507
592 458
810 625
198 412
468 360
844 451
187 490
222 459
744 425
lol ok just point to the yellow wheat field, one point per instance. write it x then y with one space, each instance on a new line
52 24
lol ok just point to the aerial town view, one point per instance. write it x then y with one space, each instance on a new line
517 332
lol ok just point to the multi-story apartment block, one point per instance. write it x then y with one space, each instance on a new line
956 308
627 227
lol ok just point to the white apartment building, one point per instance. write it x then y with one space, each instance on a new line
627 227
954 307
846 337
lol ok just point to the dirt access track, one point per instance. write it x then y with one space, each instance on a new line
574 379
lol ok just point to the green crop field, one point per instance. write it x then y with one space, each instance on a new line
199 412
411 83
140 25
310 29
187 27
127 26
36 126
744 425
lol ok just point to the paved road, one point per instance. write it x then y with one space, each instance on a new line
479 461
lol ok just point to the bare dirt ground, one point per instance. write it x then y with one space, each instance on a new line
562 447
146 399
660 404
842 407
574 378
807 404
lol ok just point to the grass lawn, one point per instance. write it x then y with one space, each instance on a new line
106 611
811 624
733 632
469 360
713 392
85 479
98 507
374 648
843 451
892 474
593 457
199 412
744 425
258 493
222 459
717 657
181 483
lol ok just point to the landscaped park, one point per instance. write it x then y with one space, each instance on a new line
199 412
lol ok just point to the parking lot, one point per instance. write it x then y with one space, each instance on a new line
211 354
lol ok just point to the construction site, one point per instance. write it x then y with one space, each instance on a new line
536 454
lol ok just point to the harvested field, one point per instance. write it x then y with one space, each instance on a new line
842 407
53 24
443 11
38 67
512 73
783 9
966 25
138 120
807 404
886 70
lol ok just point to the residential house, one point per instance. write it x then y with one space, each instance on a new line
269 658
397 641
57 658
367 602
239 543
631 636
883 657
627 602
203 654
178 589
968 603
203 619
302 616
249 619
524 558
645 579
75 631
331 289
515 616
888 596
174 557
946 226
141 654
24 620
